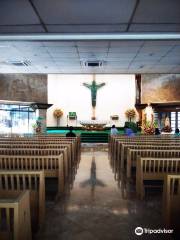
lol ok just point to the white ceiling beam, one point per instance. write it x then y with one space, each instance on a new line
91 36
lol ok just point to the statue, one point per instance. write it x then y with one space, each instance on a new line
149 114
167 126
167 122
148 124
94 87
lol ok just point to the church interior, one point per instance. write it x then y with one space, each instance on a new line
89 120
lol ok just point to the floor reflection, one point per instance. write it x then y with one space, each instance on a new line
97 207
92 181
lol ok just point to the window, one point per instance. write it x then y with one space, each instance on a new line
16 118
175 120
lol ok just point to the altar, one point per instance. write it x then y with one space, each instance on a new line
93 125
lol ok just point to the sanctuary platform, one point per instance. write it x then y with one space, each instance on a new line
86 136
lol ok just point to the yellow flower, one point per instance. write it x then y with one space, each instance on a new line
130 113
58 113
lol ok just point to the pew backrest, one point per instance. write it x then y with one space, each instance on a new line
34 181
15 216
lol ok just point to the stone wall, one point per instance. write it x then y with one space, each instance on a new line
160 88
23 87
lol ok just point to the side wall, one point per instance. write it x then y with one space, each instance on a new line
160 88
68 93
23 87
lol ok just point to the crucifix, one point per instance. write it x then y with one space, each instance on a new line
94 87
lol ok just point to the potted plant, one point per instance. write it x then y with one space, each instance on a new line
131 125
57 114
37 126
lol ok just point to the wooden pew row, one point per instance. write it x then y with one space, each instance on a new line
52 166
42 142
133 156
114 139
40 152
74 150
154 169
171 200
71 155
54 139
14 182
141 140
158 146
120 144
15 218
119 153
77 139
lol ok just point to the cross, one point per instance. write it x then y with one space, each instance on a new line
94 87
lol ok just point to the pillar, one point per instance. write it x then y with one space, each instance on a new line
41 111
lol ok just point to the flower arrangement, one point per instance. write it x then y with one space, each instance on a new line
37 126
58 114
130 114
149 128
167 129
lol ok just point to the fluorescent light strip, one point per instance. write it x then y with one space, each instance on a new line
93 36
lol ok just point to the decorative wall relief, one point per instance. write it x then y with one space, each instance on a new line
23 87
159 88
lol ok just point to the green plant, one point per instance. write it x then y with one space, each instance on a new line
131 125
38 125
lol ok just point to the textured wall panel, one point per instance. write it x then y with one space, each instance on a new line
23 87
160 88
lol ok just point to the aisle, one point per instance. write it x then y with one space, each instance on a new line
97 208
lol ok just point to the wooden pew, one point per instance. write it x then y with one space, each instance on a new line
15 219
154 169
51 165
39 152
70 154
55 139
117 142
171 202
133 154
156 146
72 148
114 139
118 160
13 182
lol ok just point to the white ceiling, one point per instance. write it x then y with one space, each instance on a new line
95 16
64 16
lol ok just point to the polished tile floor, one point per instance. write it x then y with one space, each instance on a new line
97 207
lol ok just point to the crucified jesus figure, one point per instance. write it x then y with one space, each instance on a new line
94 87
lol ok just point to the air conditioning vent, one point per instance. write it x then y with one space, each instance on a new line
92 64
19 63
